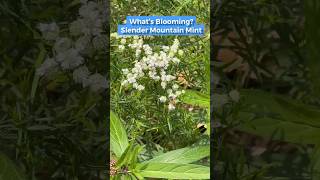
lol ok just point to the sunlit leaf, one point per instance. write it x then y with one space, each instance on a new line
118 136
184 155
174 171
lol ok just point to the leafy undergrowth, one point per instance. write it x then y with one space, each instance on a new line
268 54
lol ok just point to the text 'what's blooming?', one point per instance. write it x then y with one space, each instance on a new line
161 26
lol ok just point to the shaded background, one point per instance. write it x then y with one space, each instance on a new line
265 89
53 115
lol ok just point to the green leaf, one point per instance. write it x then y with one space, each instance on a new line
36 77
8 170
134 156
278 129
281 107
138 175
129 156
279 118
208 128
312 27
174 171
125 156
118 136
183 156
315 161
196 98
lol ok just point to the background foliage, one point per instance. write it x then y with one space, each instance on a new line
50 127
266 50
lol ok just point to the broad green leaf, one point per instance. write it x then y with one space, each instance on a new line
138 175
129 156
196 98
183 156
279 118
125 156
8 170
118 136
174 171
134 155
278 129
282 107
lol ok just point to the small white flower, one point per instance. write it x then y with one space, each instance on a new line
163 85
171 107
180 52
176 60
183 91
125 82
49 31
169 78
114 35
97 82
140 87
125 71
165 48
62 44
132 80
190 109
92 26
178 93
121 47
163 99
169 91
135 85
175 87
172 96
89 10
123 41
48 65
81 74
138 52
82 43
171 54
140 43
147 49
69 59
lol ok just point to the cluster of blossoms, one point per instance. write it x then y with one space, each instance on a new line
152 65
113 168
84 36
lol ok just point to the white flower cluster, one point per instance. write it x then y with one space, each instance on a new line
69 54
153 66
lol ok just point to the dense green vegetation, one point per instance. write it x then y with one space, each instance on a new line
271 132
